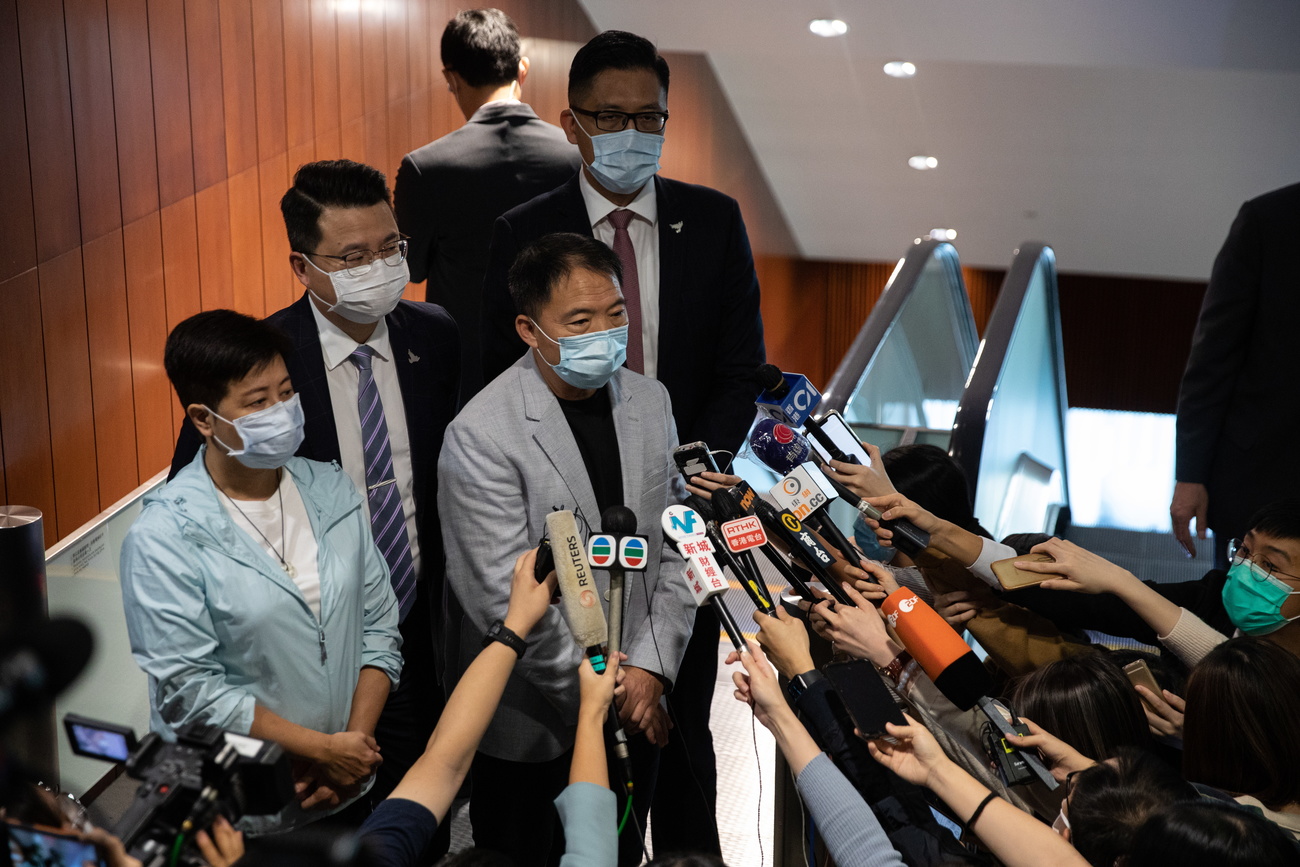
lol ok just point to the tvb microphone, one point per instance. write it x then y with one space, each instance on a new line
787 397
949 661
703 574
618 522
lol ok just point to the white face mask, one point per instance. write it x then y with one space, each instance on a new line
271 436
370 297
1062 823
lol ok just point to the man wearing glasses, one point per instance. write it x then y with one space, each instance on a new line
378 380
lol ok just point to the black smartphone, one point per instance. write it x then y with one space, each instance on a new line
40 847
865 696
693 459
832 437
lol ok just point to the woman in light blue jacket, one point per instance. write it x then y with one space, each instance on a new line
255 597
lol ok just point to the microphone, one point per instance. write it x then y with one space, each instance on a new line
40 661
786 527
908 538
584 615
787 397
740 532
807 493
617 523
941 652
704 576
778 446
577 588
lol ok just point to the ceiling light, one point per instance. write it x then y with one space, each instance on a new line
921 162
943 234
900 69
828 27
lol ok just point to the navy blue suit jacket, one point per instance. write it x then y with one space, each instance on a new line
426 350
710 331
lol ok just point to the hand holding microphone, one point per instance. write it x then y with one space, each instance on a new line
859 631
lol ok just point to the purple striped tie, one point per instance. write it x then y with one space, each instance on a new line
631 287
387 520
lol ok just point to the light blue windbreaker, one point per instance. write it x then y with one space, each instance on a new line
218 626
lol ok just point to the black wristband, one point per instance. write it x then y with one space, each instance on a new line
800 683
974 817
498 632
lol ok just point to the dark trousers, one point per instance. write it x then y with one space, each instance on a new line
512 805
411 712
685 805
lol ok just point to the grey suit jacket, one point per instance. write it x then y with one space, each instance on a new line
508 460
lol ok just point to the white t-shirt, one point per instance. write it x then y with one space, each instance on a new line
286 534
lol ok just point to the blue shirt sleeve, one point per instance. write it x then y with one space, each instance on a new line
398 832
588 813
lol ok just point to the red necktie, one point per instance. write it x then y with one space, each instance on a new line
631 287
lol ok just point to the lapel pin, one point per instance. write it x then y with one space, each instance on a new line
677 227
411 357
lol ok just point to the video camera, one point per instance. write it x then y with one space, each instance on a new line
185 784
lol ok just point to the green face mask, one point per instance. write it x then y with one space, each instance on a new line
1254 599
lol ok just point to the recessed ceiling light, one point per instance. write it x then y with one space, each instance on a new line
943 234
900 69
828 27
921 162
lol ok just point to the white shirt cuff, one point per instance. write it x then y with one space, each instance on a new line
990 552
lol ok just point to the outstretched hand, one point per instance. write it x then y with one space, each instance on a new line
1081 570
916 757
1061 758
859 631
1164 712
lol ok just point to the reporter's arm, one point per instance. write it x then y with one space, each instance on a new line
368 700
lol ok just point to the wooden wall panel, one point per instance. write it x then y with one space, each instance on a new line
296 37
212 214
169 70
47 95
269 77
238 92
325 79
137 151
279 287
17 219
982 287
25 402
109 342
67 366
246 245
207 107
146 305
90 73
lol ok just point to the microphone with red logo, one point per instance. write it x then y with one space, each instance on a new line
741 532
704 576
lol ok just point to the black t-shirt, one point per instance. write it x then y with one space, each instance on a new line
592 423
398 832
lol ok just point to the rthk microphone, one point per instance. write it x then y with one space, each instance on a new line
949 661
787 397
704 575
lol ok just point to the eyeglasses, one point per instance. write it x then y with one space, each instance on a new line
359 262
1238 552
616 121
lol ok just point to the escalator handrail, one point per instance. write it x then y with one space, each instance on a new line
968 427
884 314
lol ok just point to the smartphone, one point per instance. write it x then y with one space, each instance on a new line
99 740
865 696
1140 673
693 459
1012 578
40 847
834 428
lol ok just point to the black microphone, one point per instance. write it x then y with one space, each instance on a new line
727 505
786 527
750 582
908 538
617 521
773 383
38 662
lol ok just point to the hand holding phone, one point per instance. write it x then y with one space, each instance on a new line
1012 578
865 696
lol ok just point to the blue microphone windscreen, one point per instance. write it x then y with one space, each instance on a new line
780 447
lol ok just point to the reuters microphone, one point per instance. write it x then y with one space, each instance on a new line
577 586
787 397
955 669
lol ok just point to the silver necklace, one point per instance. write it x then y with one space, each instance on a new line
284 564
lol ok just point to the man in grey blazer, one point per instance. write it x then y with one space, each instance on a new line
449 192
566 427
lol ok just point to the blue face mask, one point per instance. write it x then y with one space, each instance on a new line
624 161
271 436
589 360
1253 599
870 545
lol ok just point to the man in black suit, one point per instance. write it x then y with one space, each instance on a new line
1236 436
348 254
694 324
450 191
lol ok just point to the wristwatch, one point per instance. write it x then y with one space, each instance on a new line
894 670
498 632
800 683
